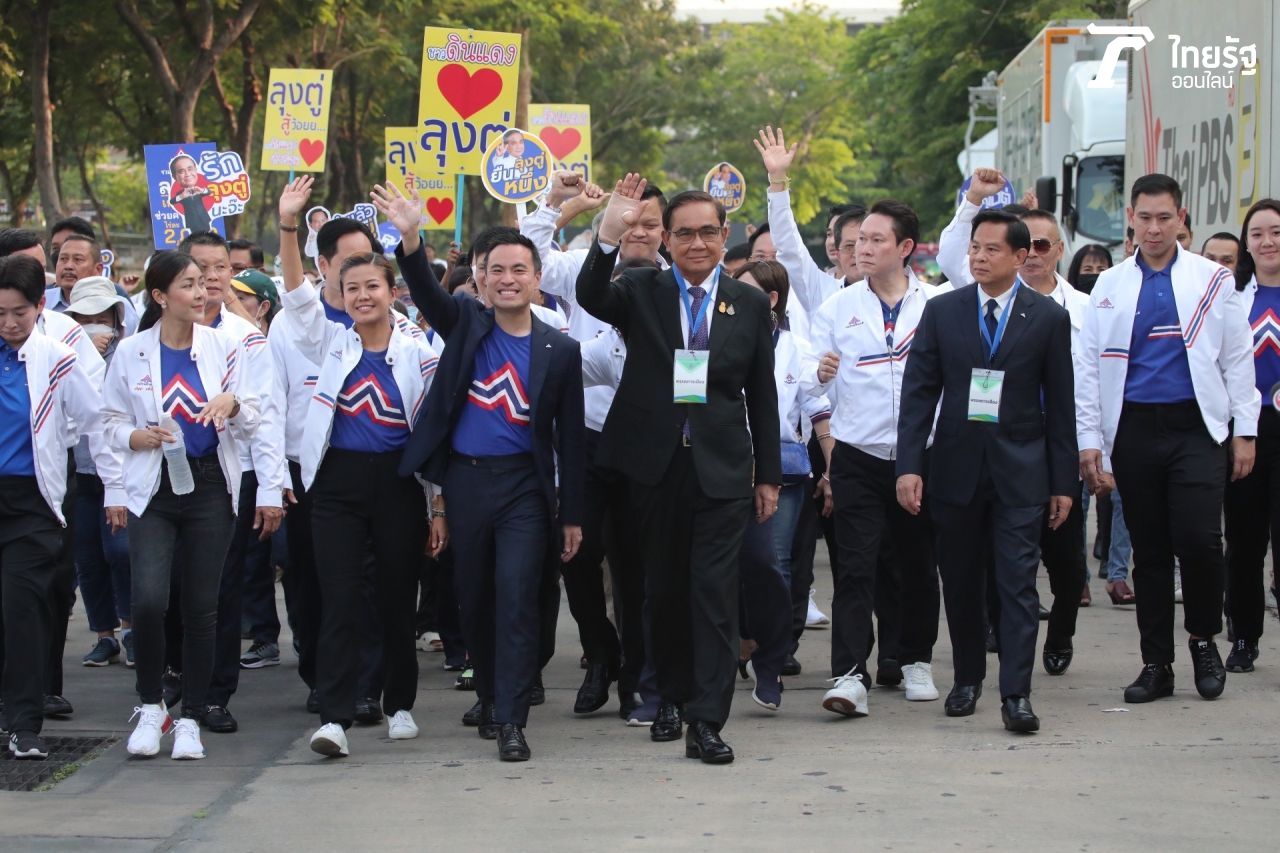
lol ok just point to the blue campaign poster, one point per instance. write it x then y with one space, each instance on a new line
181 202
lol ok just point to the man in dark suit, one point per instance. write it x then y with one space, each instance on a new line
699 367
506 402
999 355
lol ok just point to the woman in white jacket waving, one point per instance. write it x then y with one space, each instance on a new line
174 395
373 380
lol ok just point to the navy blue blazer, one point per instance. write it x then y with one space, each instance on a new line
1031 453
555 391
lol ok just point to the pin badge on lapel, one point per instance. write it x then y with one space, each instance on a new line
730 311
721 308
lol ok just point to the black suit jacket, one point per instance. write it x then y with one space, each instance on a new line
1031 453
644 425
555 391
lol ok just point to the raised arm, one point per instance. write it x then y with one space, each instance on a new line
597 293
808 282
560 269
293 199
953 244
405 212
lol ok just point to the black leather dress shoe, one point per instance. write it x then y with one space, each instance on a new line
538 694
889 673
218 719
963 700
56 706
368 712
1154 682
791 666
594 692
1210 674
703 741
1044 613
993 642
472 717
511 743
313 702
488 728
667 724
1018 716
1056 661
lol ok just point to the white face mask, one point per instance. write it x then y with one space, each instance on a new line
95 329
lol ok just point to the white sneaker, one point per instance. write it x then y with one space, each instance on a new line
330 740
154 722
401 726
816 618
186 740
848 696
918 678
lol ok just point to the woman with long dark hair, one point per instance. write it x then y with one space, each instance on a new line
1252 504
178 409
1086 264
373 380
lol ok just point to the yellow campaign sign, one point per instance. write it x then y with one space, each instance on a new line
295 133
565 130
404 160
467 95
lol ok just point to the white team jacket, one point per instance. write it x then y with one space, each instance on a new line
337 350
265 456
1215 331
132 400
65 404
296 375
62 328
866 393
810 286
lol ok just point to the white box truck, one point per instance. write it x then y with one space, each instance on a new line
1202 104
1063 137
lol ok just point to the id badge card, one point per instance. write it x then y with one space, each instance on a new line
984 395
690 379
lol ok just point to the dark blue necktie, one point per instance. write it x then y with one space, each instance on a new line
992 323
697 337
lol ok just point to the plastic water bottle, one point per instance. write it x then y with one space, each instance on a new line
175 456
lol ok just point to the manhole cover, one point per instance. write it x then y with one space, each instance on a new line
66 754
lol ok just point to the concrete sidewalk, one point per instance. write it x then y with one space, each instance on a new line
1178 774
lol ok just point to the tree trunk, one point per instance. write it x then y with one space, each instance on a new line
42 111
83 168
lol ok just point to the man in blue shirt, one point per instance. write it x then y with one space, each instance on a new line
503 417
1164 392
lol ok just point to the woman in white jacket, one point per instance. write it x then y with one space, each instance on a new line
373 380
176 386
765 560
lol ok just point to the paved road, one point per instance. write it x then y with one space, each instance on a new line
1179 774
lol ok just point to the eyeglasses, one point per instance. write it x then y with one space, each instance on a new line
1042 245
707 233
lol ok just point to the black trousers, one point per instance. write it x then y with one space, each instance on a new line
584 574
31 544
690 547
867 514
300 583
765 612
357 499
226 642
1252 514
179 542
1172 475
499 527
1063 553
968 539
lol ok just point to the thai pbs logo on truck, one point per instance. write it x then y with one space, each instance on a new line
1205 60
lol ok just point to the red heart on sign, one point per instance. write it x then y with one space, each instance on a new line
439 209
466 92
560 142
310 150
